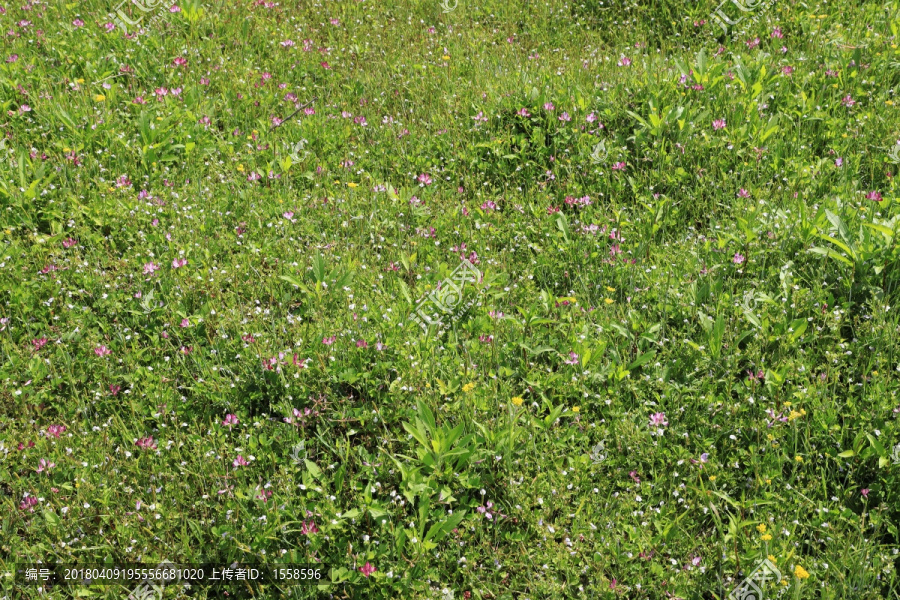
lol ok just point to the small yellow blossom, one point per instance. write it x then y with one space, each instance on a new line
576 409
800 572
352 185
517 400
446 57
99 98
798 458
468 387
772 558
761 528
610 289
609 300
766 537
712 477
240 168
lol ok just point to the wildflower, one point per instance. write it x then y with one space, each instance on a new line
146 443
45 465
549 106
150 267
329 340
468 387
576 409
523 112
240 461
658 420
573 359
39 343
776 33
102 351
230 420
619 166
179 262
565 117
55 430
78 23
839 162
517 400
848 101
874 196
424 179
624 61
179 61
308 527
864 492
367 569
800 572
766 537
69 242
718 124
361 344
761 528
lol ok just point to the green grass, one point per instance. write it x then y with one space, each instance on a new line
680 356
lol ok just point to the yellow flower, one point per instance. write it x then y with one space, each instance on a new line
609 300
352 185
446 57
798 458
800 572
79 80
766 537
517 400
576 409
761 528
240 168
610 289
712 477
99 98
769 481
772 558
468 387
794 415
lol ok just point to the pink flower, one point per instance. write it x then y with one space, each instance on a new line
55 430
114 389
742 193
658 420
549 106
179 61
150 267
45 465
424 179
573 359
308 527
523 112
287 44
146 443
39 343
839 162
624 61
848 100
361 344
874 196
787 70
69 242
367 569
230 420
565 117
240 461
718 124
109 27
738 258
864 492
776 33
78 23
619 166
179 262
175 9
329 340
102 351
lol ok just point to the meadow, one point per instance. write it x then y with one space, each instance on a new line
498 301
